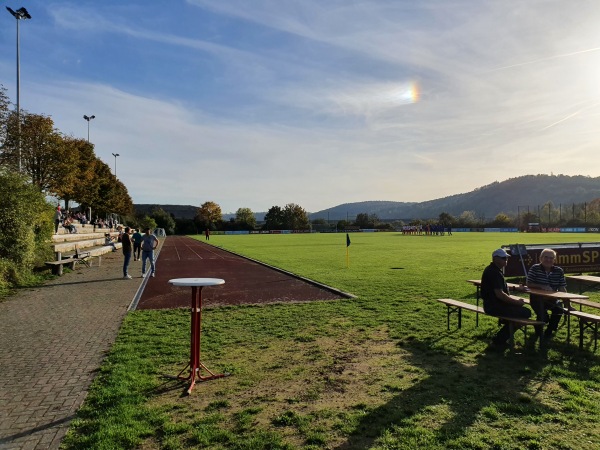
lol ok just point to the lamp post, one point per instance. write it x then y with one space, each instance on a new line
115 155
19 14
88 118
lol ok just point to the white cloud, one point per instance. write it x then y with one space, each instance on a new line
253 104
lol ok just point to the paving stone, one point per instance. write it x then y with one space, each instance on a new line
53 338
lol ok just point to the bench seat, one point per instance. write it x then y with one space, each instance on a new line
57 266
456 306
586 321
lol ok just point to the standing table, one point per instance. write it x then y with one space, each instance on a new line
195 365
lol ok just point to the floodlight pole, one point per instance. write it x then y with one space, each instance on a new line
88 118
115 155
19 14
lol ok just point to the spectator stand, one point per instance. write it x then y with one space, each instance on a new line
80 247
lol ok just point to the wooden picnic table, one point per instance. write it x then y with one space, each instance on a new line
566 297
588 281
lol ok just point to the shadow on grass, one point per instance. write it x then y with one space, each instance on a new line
494 384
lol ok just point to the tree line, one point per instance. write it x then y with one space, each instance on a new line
58 165
40 166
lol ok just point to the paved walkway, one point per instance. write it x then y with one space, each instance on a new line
52 340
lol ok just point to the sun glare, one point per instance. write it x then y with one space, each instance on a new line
408 93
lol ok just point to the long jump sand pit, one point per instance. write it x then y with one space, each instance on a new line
246 282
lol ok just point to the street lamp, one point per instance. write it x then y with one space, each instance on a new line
19 14
88 118
115 155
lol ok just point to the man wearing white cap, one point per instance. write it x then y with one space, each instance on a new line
497 300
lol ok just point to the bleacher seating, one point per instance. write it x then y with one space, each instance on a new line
67 246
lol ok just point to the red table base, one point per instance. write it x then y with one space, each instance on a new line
197 370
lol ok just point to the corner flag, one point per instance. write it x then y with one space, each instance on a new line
347 250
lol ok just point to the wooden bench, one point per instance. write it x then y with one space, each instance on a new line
57 266
65 245
456 306
82 257
477 284
586 321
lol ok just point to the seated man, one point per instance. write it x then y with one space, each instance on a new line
68 224
548 277
496 298
108 240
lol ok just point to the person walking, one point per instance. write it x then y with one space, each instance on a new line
127 250
149 244
136 237
57 219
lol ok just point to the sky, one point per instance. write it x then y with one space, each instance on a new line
261 103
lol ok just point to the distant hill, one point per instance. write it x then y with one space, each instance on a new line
178 211
488 201
506 196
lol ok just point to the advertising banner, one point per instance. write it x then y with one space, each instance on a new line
573 258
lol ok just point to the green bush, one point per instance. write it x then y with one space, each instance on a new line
26 224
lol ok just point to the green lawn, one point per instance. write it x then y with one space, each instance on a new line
379 371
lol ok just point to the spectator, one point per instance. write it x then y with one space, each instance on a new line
127 250
68 224
57 219
149 244
109 240
137 244
496 298
545 275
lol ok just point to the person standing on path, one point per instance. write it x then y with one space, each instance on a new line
137 244
149 244
206 234
127 250
57 219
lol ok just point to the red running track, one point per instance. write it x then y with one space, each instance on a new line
246 282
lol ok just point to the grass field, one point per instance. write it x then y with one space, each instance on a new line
379 371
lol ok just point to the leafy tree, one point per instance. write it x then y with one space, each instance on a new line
467 219
4 112
245 219
274 219
147 222
295 217
78 186
112 195
342 225
163 220
364 220
185 226
502 220
208 215
44 159
446 219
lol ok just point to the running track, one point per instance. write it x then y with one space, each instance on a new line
246 282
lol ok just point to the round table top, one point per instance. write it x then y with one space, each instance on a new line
196 281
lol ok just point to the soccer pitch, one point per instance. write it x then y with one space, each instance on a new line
379 371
